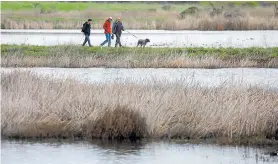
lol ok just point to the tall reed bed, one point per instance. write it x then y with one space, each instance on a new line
35 106
259 18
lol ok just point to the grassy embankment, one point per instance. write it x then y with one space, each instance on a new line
138 15
34 107
77 56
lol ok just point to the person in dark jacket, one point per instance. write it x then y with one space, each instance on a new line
86 29
118 28
113 28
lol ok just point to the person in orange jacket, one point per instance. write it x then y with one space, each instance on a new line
107 31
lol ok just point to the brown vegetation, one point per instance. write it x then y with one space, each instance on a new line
276 11
216 11
131 61
44 107
260 18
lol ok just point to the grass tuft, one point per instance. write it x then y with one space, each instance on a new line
119 123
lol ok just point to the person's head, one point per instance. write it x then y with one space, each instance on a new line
118 19
89 21
110 19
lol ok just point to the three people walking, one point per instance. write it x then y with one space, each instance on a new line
108 31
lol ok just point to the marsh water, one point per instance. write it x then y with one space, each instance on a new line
158 38
100 152
162 152
260 77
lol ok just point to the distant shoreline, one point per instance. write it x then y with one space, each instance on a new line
140 15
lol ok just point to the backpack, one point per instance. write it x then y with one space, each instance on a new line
83 28
114 28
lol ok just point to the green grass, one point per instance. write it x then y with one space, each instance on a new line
62 6
221 52
109 6
71 56
79 6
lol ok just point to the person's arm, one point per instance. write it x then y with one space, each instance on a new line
111 30
123 27
113 25
104 25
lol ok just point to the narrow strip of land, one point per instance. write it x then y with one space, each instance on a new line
84 57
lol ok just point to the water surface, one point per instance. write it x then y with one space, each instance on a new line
99 152
159 38
260 77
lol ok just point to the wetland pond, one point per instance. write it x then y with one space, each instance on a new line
144 152
260 77
104 152
158 38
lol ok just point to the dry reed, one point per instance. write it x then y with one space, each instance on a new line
260 18
33 106
131 61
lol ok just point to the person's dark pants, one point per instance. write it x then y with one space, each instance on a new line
118 40
87 39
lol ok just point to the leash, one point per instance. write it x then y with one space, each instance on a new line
132 34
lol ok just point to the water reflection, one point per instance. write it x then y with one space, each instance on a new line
170 38
97 151
119 147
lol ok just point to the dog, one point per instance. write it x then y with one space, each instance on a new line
143 42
